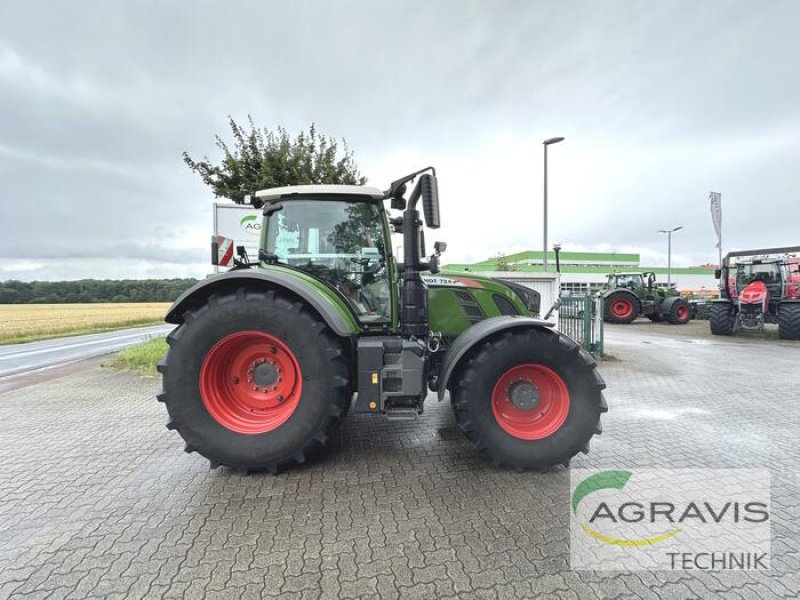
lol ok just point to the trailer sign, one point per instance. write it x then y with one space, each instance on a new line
240 223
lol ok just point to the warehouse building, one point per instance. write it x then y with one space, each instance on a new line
585 272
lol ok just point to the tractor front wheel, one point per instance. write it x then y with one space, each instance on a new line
789 321
529 400
621 307
254 380
721 318
678 313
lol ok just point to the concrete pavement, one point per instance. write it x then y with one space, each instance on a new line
98 500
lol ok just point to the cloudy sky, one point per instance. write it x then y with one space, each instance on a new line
659 103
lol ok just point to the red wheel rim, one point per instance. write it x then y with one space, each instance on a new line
531 419
250 382
683 312
622 308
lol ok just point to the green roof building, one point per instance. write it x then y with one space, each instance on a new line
583 272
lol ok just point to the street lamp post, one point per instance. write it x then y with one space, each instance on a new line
547 142
669 233
557 250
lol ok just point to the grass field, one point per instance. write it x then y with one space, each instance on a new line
28 322
141 358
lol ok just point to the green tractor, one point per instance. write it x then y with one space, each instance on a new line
630 295
268 357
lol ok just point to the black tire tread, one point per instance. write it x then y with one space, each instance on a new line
610 317
789 321
672 316
720 318
563 348
329 345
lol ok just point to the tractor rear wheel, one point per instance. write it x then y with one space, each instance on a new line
529 400
621 307
789 321
678 313
254 380
721 318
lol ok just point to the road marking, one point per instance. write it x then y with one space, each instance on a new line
65 347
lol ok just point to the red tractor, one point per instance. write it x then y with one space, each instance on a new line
763 288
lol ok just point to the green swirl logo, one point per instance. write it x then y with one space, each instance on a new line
611 480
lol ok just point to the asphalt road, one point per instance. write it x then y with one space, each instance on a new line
22 358
98 499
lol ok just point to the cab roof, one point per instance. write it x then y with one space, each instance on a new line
272 194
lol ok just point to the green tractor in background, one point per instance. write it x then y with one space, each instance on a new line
627 296
267 358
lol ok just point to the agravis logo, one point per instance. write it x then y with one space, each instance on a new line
611 480
670 518
250 224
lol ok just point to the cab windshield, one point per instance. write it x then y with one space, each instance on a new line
631 282
769 273
342 242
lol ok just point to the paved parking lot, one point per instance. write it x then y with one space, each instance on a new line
98 500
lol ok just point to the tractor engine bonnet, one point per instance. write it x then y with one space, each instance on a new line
755 293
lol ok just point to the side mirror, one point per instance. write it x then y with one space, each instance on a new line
439 247
252 200
717 273
429 189
398 201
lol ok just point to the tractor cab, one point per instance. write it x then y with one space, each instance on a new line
339 236
630 281
640 284
758 279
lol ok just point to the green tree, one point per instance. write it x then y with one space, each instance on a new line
260 158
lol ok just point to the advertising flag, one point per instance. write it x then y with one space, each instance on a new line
716 214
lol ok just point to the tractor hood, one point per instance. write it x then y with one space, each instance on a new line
755 293
514 292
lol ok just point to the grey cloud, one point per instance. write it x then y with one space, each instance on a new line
99 99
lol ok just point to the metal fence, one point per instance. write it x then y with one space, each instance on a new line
581 318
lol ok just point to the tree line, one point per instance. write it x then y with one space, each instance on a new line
92 290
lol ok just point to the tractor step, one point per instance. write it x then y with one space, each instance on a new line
402 414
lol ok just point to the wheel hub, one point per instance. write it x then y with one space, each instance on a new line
264 373
251 382
530 401
524 395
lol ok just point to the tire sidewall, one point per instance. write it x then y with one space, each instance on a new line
569 438
621 295
280 318
722 314
675 312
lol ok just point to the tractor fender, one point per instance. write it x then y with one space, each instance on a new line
624 290
476 334
260 279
